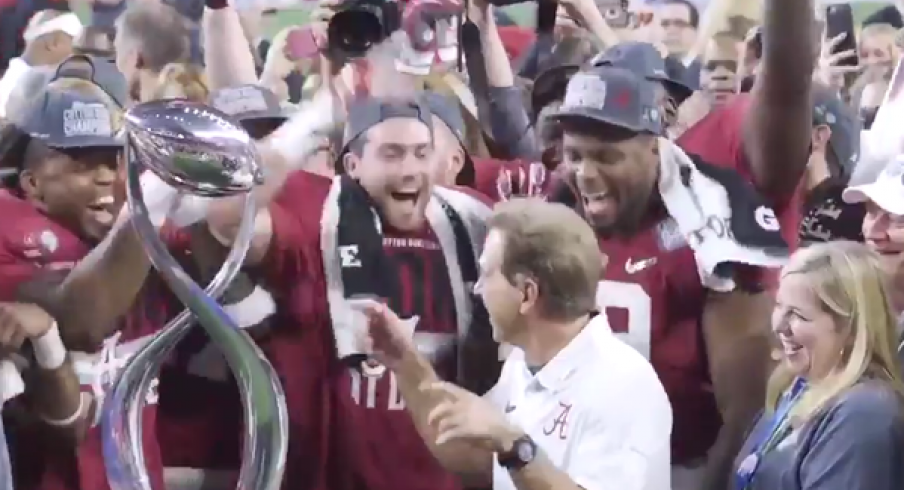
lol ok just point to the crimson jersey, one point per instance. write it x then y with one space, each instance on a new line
501 179
652 294
34 249
718 140
349 431
191 434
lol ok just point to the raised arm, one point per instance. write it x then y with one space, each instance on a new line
227 52
776 136
508 117
109 278
283 153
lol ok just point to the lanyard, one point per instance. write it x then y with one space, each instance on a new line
769 437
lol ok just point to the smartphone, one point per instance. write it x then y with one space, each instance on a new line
840 20
300 44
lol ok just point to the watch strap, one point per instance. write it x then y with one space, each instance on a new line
522 453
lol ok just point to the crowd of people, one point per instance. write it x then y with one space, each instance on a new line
634 247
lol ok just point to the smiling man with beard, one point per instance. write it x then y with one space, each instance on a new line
381 229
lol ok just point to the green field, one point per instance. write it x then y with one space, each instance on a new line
523 14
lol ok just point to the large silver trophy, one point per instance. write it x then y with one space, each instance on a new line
197 150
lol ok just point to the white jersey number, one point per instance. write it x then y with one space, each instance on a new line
632 298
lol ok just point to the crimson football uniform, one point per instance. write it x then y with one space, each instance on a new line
652 294
33 251
350 431
199 413
718 140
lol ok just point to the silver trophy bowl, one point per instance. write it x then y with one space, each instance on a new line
197 150
194 148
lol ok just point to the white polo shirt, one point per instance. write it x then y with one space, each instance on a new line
597 410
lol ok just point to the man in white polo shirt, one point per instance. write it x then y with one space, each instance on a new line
574 406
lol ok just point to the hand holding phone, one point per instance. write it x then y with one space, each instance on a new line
302 44
840 24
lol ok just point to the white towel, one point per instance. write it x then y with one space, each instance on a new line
349 325
693 205
11 383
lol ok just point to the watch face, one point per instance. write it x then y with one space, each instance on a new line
525 451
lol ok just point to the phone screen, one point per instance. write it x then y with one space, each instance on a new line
840 20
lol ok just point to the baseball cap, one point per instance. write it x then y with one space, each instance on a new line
844 143
612 96
644 60
100 71
566 59
446 108
887 191
65 115
366 112
250 102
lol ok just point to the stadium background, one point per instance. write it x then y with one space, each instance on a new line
521 13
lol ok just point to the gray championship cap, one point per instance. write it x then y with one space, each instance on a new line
844 143
248 103
446 108
66 116
644 60
365 113
613 96
76 107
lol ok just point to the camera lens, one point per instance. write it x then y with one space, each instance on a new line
354 31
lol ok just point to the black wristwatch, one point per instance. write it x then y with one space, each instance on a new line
522 452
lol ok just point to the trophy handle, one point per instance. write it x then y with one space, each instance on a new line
263 399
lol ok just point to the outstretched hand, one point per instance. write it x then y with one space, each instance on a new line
389 338
464 416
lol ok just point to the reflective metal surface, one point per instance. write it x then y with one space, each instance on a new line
6 471
193 148
197 150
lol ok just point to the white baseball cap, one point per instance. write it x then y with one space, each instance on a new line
887 191
68 23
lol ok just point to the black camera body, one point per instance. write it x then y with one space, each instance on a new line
358 25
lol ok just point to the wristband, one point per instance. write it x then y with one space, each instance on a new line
298 137
82 405
50 353
216 4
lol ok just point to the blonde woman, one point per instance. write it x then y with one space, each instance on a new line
877 45
834 406
182 81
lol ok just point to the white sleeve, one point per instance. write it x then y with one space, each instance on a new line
11 384
15 72
625 446
498 394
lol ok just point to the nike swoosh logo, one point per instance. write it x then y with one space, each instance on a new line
632 267
509 408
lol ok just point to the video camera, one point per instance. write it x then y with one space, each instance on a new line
361 24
